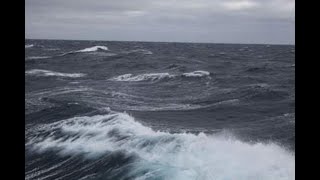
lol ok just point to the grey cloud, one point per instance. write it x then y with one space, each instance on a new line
229 21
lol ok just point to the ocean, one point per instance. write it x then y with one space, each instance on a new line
159 111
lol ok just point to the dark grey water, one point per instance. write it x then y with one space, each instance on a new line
137 110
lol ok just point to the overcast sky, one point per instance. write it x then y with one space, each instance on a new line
217 21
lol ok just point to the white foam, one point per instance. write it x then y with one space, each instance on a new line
94 48
196 74
41 72
28 46
141 77
157 76
171 156
37 57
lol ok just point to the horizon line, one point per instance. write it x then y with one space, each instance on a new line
160 41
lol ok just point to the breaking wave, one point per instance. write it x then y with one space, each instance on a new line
90 49
40 72
161 155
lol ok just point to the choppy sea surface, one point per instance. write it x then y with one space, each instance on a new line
159 111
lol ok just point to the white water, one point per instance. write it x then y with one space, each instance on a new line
171 156
94 48
37 57
142 77
196 74
41 72
157 76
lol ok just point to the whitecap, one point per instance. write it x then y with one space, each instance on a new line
41 72
196 74
94 48
28 46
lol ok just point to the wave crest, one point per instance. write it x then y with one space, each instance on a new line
162 154
94 48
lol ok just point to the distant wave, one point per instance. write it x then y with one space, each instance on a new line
28 46
157 76
196 74
90 49
94 48
142 51
161 154
262 92
38 57
40 72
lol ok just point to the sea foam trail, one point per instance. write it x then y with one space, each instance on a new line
37 57
40 72
142 77
157 76
164 155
